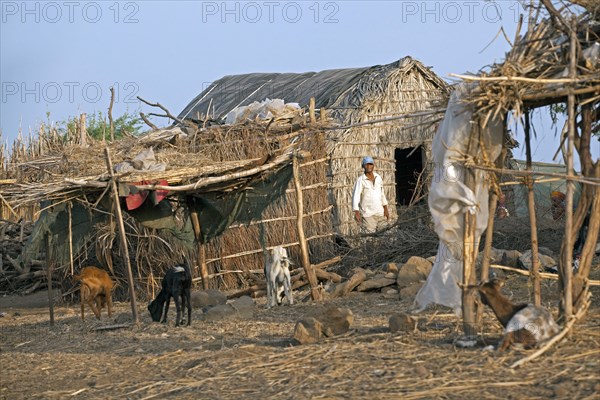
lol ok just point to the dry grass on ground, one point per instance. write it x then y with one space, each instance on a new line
246 358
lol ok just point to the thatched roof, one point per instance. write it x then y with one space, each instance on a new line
214 160
336 89
536 71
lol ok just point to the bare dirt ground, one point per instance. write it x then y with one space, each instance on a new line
246 358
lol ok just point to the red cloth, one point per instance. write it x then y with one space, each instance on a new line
135 200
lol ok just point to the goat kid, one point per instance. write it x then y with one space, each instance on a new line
277 275
177 283
96 290
523 323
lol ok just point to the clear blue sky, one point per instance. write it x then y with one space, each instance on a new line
62 57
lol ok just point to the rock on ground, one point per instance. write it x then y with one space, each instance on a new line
210 297
325 322
416 269
402 322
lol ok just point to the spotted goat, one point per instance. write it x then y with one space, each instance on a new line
523 323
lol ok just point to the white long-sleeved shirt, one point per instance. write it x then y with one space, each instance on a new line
368 197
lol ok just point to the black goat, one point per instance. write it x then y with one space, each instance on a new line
177 283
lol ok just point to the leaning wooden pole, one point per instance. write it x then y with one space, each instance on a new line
567 248
535 261
469 250
49 267
201 249
121 225
315 294
489 234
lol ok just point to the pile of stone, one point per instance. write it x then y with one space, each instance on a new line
393 280
215 306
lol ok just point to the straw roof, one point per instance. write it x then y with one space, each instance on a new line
211 161
536 71
340 90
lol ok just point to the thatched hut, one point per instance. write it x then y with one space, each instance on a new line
236 176
406 97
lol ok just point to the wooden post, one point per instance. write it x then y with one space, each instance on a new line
82 130
489 234
468 296
311 110
49 267
315 294
69 206
198 235
469 249
110 118
121 225
567 248
323 114
535 262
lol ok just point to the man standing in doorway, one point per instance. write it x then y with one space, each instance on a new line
369 203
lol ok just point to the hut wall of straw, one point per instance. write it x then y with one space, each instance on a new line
408 89
240 247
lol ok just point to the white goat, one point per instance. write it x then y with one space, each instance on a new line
277 274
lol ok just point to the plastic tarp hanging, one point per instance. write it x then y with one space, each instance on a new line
450 199
55 221
216 210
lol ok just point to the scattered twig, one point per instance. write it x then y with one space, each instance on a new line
110 118
147 121
167 113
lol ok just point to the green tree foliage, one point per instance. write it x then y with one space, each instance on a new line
98 125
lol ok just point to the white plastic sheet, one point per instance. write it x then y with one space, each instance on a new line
143 161
450 199
265 109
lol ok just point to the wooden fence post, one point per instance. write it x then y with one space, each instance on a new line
535 262
315 293
198 236
49 267
566 265
83 130
469 247
121 225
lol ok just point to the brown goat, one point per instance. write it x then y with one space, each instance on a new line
96 290
523 323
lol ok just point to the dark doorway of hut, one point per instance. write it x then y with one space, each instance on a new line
409 164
